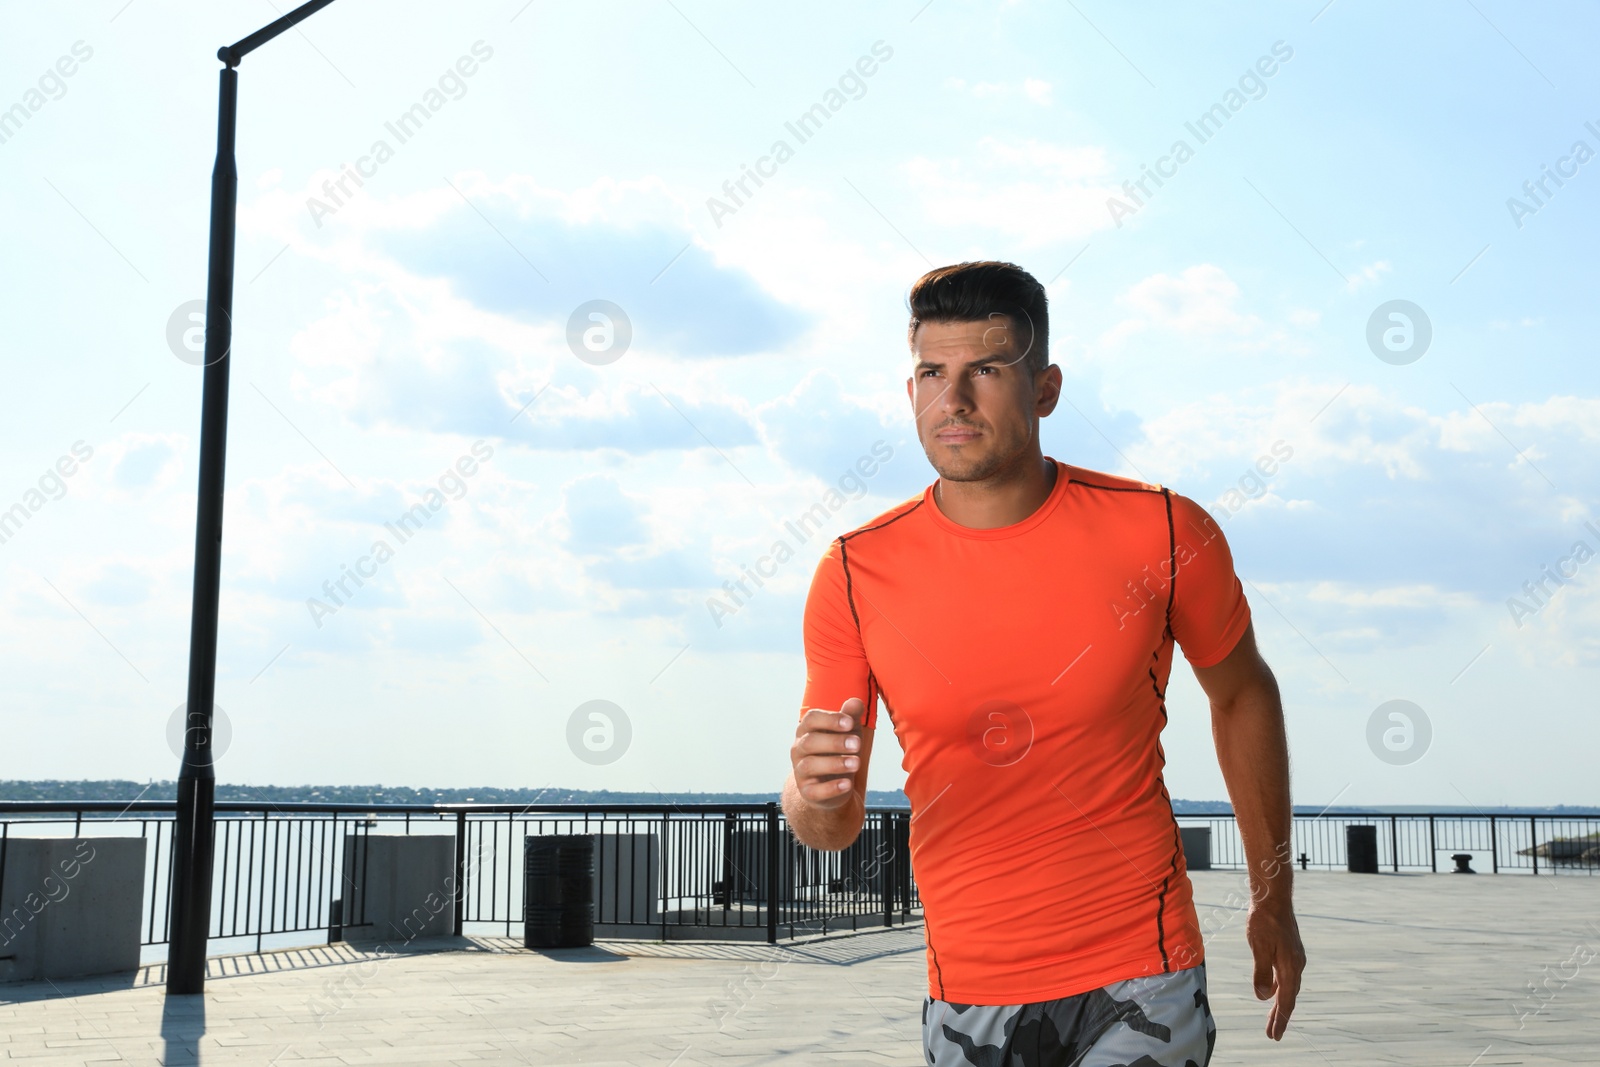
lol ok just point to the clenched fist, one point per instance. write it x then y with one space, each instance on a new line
826 753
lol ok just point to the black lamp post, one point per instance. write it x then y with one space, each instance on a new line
195 829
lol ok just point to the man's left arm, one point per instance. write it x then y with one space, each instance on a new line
1247 725
1210 619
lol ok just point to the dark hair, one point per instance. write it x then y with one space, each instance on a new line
971 292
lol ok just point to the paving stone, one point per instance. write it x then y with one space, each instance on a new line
1403 969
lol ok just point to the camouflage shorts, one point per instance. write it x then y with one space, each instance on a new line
1161 1020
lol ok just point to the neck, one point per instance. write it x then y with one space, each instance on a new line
1002 500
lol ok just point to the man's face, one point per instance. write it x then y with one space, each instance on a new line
976 403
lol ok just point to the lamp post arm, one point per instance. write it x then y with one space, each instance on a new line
231 54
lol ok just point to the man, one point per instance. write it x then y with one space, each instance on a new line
1018 619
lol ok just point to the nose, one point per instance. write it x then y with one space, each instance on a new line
955 398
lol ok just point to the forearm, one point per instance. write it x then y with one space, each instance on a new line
827 829
1253 754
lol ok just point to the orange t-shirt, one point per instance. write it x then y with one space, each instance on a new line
1024 670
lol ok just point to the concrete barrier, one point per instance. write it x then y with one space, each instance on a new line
627 878
395 889
71 906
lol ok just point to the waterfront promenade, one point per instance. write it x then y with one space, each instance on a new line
1404 969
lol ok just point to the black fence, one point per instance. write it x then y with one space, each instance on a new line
275 871
681 872
700 872
692 872
1498 844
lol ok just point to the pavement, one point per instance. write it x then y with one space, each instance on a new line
1468 970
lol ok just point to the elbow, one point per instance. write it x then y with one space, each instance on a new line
1258 694
836 832
843 837
824 829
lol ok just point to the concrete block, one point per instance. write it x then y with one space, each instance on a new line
71 906
627 877
396 888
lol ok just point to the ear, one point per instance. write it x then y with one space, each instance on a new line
1049 388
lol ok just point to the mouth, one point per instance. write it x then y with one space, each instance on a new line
957 435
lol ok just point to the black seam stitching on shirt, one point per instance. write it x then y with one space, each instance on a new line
844 560
927 935
1161 900
881 525
1172 561
1177 844
849 589
1161 702
1114 488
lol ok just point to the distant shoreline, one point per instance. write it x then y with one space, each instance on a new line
63 791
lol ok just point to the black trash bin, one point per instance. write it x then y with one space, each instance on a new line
558 902
1361 849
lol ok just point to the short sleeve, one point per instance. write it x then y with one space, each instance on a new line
836 661
1209 610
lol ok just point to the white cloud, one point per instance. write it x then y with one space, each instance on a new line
1565 628
1363 427
1200 301
1035 192
821 430
1528 428
1366 275
1349 595
120 583
1036 90
135 466
597 516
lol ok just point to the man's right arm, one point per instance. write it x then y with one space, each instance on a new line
824 797
820 813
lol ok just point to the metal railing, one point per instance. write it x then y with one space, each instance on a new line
1416 841
679 871
275 871
661 872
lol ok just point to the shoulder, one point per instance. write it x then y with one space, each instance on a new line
878 527
1180 512
1114 482
876 533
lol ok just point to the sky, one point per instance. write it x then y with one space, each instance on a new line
1352 313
